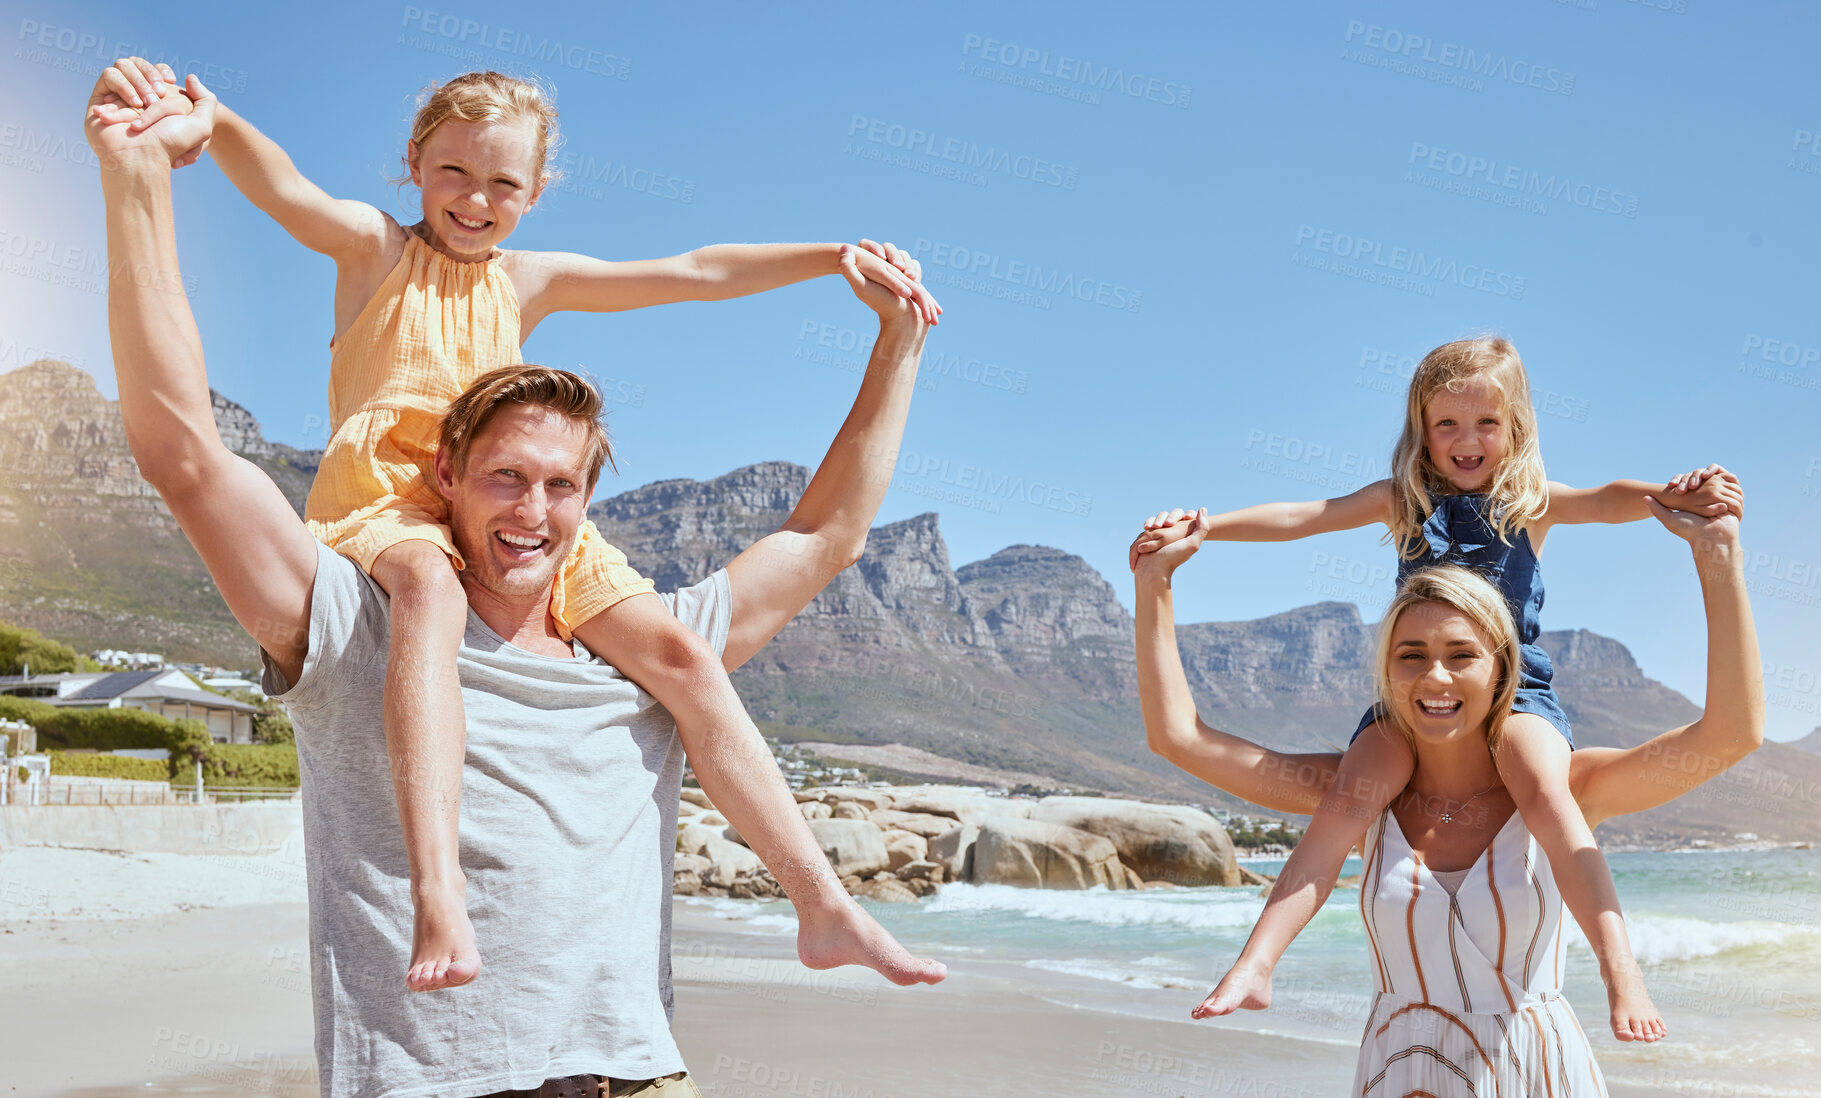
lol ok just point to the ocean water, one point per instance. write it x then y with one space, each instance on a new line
1730 944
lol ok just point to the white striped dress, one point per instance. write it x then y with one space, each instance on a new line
1469 986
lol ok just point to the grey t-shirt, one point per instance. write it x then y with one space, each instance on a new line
568 827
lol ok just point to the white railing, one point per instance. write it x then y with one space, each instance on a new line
219 794
75 790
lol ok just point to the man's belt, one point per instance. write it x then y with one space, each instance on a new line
575 1086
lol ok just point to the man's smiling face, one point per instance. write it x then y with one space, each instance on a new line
518 504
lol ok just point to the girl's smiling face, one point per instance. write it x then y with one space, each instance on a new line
478 179
1467 433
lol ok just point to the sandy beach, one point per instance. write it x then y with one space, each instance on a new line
164 975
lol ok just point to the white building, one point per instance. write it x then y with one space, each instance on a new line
114 657
169 693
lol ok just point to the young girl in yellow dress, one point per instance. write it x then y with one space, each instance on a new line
420 312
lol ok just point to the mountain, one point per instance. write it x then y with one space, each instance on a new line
1020 662
89 554
1024 661
1810 743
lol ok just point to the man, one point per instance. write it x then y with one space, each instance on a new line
570 789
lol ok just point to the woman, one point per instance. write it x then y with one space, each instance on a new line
1463 919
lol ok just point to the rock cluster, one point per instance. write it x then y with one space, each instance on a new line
904 843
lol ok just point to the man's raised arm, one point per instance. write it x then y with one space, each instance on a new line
826 531
254 546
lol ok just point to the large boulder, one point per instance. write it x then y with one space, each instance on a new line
1160 842
915 871
730 860
804 795
851 810
917 823
755 887
966 807
1252 877
886 890
869 798
1035 854
853 846
954 849
692 837
690 863
814 810
686 874
903 848
696 797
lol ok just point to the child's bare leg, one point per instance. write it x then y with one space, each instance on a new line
426 738
1376 767
1533 763
739 774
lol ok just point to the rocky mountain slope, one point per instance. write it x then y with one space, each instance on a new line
1019 662
1024 661
88 552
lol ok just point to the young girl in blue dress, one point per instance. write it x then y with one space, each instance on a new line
1467 487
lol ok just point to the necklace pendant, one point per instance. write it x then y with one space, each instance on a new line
1447 817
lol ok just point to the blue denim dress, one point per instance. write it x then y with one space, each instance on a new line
1459 531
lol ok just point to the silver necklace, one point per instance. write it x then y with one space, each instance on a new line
1448 817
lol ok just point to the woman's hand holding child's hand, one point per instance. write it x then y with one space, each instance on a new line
891 306
1710 491
1169 538
896 269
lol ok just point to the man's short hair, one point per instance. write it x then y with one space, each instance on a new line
564 393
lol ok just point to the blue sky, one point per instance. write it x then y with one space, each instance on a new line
1187 253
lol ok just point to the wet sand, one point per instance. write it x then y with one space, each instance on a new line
128 988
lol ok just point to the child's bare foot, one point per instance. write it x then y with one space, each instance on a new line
1242 988
844 934
1634 1016
443 953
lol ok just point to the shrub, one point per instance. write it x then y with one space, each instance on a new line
240 764
274 728
110 766
20 647
103 729
29 710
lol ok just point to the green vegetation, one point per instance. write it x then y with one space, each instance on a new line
271 725
1257 833
66 727
107 729
21 648
110 766
242 764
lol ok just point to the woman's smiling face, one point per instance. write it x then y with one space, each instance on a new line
1443 672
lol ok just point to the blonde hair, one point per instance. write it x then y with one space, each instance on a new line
491 97
1460 589
560 391
1519 492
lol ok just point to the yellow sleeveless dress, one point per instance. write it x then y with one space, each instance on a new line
433 327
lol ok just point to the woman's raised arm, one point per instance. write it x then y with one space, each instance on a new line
1611 782
1271 779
